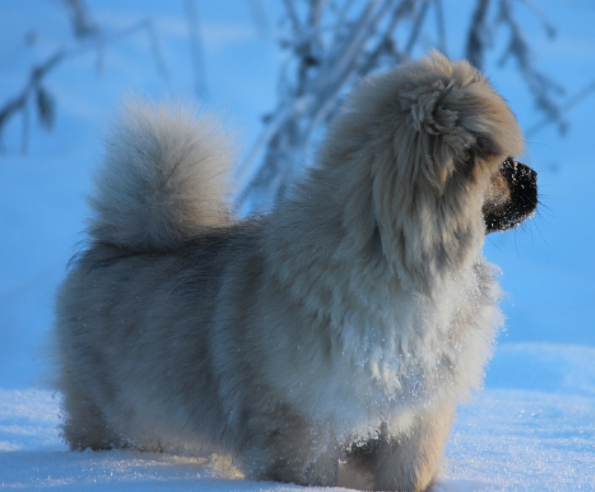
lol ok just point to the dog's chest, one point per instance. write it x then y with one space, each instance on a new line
394 354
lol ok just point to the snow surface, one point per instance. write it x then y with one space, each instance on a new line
532 429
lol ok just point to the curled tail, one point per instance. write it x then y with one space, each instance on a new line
165 178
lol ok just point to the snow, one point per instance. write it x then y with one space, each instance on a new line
532 429
521 438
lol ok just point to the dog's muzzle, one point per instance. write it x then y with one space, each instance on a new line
522 201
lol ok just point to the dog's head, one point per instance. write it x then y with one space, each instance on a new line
455 136
437 145
511 197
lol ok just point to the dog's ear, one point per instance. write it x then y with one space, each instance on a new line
455 118
456 114
460 125
429 114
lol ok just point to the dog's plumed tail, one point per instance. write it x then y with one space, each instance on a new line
165 178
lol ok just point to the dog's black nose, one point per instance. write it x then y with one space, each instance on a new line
523 200
526 172
524 188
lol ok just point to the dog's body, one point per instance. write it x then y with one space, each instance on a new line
347 324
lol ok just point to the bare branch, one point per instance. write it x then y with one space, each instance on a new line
82 24
541 86
327 62
418 21
332 44
549 28
440 26
32 86
196 48
292 15
579 97
477 37
44 101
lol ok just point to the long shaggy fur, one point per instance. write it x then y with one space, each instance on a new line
346 325
165 177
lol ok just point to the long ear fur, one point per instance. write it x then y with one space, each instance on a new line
450 114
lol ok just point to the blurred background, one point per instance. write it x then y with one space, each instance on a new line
277 72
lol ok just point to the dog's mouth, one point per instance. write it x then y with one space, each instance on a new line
513 196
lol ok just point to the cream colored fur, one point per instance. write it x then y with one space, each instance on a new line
166 176
346 325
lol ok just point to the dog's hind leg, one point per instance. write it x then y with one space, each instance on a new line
84 425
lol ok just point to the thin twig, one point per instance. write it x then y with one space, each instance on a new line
19 102
291 13
440 26
324 63
539 85
39 72
571 103
415 32
285 141
538 11
82 24
477 37
195 47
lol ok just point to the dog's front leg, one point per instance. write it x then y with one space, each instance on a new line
287 449
404 461
408 462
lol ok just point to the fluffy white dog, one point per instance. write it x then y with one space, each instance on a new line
344 326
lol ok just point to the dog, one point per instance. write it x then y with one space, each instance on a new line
342 328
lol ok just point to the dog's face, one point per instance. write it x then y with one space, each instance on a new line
512 196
